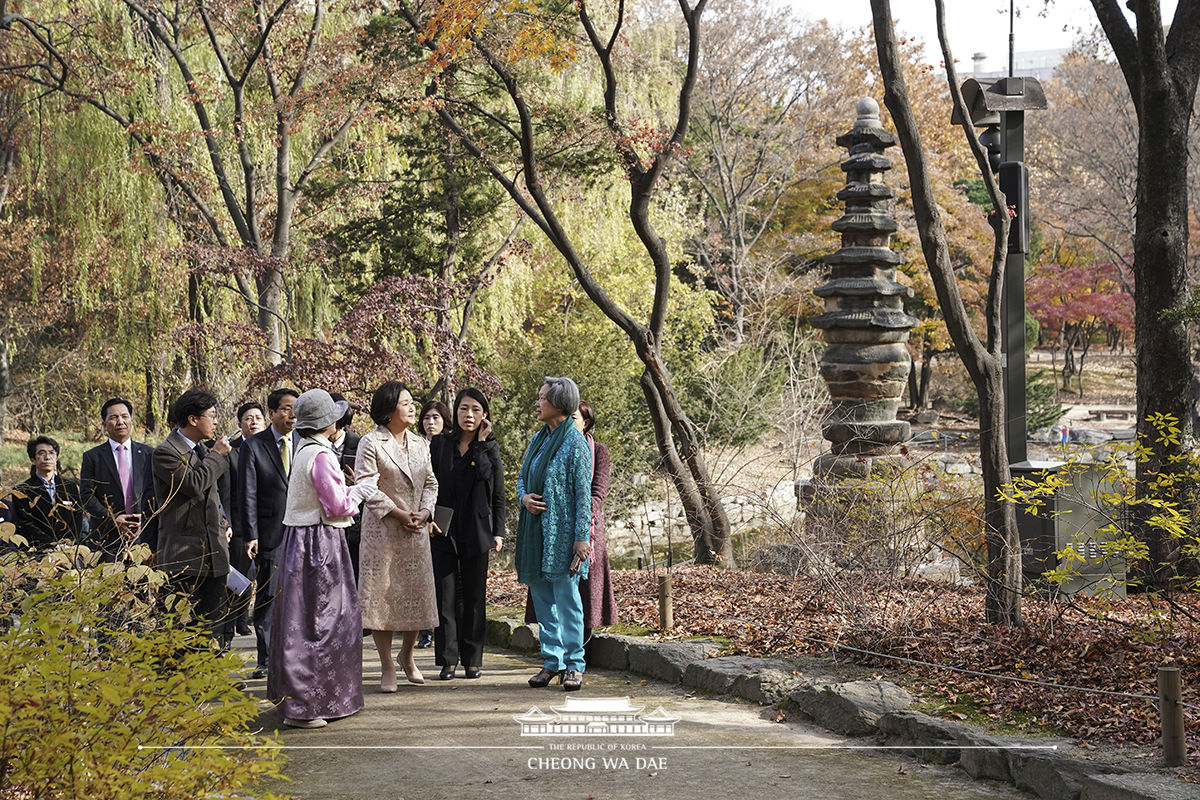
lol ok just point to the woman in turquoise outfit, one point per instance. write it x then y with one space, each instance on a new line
555 490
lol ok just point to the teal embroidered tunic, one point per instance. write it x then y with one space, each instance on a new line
568 515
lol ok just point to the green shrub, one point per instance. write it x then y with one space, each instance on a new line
103 694
1123 515
1042 408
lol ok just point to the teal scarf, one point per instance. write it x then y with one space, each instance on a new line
533 473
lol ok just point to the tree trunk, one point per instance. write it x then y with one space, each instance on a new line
913 392
693 505
8 160
1002 604
4 384
197 358
1161 72
676 438
926 376
270 303
982 359
151 397
1164 367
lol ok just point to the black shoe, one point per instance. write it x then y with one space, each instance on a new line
447 673
543 678
243 629
259 672
572 680
425 640
473 672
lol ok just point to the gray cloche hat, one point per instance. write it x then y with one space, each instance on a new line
316 410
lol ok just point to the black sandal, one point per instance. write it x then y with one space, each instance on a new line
543 678
572 681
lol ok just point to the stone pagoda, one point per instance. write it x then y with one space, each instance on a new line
866 365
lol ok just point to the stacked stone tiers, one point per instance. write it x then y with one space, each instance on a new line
866 365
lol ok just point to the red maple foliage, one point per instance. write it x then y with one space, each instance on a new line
396 331
1098 294
1076 304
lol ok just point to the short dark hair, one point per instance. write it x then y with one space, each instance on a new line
192 403
244 407
440 407
589 415
114 401
474 394
276 397
345 421
34 444
384 401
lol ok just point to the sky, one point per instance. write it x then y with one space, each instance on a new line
974 25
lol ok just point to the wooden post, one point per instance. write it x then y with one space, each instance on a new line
666 616
1169 695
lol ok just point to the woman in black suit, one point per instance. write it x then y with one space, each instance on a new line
470 478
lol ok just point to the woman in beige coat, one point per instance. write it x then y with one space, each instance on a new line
396 589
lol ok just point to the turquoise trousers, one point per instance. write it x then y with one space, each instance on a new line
560 622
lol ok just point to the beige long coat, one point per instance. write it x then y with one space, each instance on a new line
395 584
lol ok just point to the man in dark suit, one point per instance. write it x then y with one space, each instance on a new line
47 509
263 467
252 419
117 485
193 548
345 445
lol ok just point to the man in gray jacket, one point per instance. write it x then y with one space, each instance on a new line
192 547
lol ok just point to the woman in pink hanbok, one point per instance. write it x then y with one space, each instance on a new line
316 642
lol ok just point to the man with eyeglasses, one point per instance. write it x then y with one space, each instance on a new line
264 465
193 549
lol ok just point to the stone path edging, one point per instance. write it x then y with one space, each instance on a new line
862 708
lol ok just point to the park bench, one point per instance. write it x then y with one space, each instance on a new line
1104 414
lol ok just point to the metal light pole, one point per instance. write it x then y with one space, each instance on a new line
1000 110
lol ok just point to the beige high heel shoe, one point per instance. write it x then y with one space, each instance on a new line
411 672
387 681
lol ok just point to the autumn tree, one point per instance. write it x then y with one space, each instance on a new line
982 357
1083 158
769 98
1161 67
85 288
394 331
529 51
234 107
1076 303
438 220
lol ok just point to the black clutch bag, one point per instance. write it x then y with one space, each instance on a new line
442 516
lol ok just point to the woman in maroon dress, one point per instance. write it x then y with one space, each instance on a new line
596 590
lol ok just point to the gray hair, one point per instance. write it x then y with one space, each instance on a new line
563 394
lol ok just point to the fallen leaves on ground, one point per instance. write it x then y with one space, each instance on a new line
886 623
